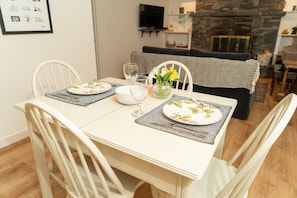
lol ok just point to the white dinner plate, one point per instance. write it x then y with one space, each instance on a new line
89 88
192 112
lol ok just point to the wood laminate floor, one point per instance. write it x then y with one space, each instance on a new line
277 177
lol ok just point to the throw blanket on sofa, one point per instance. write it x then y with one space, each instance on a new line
208 72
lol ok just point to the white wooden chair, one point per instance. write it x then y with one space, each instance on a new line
224 180
53 75
185 81
86 173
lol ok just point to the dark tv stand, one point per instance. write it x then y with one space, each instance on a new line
150 30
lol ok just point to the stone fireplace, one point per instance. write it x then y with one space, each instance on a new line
258 19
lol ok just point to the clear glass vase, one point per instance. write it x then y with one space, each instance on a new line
161 90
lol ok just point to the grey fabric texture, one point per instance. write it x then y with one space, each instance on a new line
202 133
206 71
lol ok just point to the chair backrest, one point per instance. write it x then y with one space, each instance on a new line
74 153
185 81
53 75
257 146
279 73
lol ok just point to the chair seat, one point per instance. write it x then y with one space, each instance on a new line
217 176
129 182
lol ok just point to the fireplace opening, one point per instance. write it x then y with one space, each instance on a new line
230 43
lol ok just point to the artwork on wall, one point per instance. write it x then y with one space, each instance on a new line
25 16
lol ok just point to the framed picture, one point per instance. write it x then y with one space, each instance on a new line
25 16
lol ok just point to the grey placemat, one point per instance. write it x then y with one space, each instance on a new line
82 100
203 133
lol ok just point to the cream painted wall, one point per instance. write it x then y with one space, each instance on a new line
72 42
173 6
117 26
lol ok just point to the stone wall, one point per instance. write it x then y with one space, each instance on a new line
256 18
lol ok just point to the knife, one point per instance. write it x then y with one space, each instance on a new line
186 130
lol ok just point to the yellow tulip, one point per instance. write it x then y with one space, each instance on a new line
174 75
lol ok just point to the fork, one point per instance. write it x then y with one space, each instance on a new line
185 127
67 97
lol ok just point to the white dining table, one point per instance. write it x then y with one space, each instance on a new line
171 163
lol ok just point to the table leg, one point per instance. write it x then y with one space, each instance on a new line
281 94
219 151
185 188
189 187
41 165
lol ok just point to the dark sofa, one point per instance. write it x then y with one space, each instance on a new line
197 53
244 95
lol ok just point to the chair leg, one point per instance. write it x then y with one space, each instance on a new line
272 86
293 88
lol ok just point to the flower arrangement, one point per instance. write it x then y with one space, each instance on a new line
163 75
165 78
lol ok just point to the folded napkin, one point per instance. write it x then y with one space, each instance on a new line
82 100
202 133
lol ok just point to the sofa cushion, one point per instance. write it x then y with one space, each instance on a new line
242 95
159 50
197 53
222 55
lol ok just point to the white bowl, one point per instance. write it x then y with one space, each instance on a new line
123 95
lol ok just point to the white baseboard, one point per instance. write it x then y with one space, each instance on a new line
13 138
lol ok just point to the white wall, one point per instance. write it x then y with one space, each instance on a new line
117 25
72 42
174 5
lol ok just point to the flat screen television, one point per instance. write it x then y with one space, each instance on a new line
151 16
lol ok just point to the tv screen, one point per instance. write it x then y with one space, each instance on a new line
151 16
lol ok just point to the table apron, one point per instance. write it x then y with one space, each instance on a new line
161 178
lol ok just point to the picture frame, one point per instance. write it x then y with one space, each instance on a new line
25 17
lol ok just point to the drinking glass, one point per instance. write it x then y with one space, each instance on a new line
130 71
139 89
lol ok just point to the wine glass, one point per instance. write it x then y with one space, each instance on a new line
130 71
139 89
